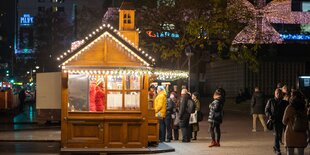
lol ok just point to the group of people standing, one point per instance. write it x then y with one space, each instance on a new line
174 113
281 111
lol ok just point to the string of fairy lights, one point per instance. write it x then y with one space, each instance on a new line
161 74
105 34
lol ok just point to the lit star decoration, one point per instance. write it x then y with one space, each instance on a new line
260 30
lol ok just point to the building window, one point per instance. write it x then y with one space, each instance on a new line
57 1
54 9
61 9
127 19
98 93
41 9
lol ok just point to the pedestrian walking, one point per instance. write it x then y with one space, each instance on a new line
195 126
296 136
160 111
184 116
216 117
274 110
258 108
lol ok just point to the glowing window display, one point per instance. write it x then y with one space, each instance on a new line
105 92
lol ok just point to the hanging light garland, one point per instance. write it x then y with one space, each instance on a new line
106 33
159 73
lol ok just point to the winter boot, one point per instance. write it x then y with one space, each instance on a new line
218 143
213 143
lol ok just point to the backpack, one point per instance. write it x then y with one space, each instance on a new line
190 106
300 123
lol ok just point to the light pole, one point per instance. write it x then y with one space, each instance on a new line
31 72
189 54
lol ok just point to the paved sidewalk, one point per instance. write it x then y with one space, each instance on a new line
237 138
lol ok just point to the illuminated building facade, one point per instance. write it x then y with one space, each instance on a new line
27 12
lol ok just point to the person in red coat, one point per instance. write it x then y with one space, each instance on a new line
99 97
92 95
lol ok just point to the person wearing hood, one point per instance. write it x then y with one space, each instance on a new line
160 111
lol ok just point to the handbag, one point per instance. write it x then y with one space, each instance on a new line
193 118
176 121
269 124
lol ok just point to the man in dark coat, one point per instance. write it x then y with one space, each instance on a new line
184 116
169 111
275 110
258 108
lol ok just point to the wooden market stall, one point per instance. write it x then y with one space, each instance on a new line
104 89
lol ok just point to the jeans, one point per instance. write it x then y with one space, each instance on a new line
215 130
168 121
162 130
278 128
290 151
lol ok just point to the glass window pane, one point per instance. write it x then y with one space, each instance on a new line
114 100
96 94
77 88
115 82
132 82
132 101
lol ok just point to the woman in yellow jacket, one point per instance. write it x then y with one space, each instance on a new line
160 111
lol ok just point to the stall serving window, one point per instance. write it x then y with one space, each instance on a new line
106 92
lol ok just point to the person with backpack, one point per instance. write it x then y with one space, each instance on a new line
295 119
274 110
184 115
216 117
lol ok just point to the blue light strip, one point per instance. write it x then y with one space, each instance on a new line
295 36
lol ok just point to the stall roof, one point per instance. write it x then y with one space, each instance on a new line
107 29
127 5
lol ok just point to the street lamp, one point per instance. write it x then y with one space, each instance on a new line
189 54
37 67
